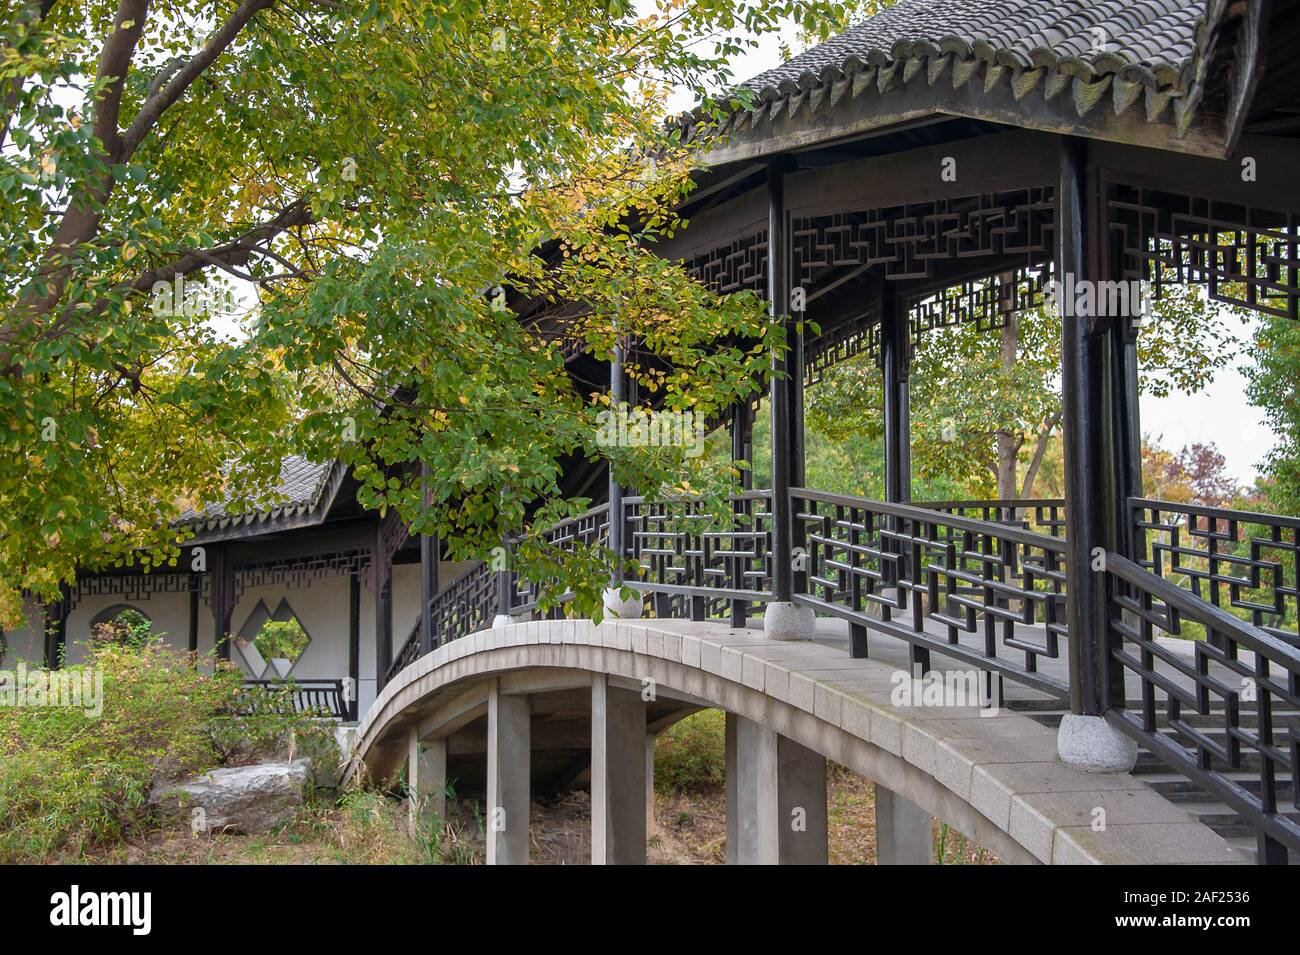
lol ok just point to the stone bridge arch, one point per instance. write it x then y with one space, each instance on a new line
790 706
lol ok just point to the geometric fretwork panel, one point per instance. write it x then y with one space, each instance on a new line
1244 563
466 606
1217 700
987 304
839 345
132 588
732 268
686 549
583 533
1242 255
908 240
989 595
299 572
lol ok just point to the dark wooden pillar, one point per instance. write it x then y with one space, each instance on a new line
428 573
783 448
354 642
222 596
1126 426
617 397
504 588
56 628
740 440
383 584
192 643
895 364
794 394
1087 430
742 420
895 358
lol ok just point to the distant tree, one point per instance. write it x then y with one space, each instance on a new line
986 405
281 639
1273 384
1198 474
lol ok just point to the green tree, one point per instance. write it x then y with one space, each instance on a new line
1198 474
281 639
357 177
986 404
1273 384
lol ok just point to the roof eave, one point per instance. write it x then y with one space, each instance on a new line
287 517
1063 105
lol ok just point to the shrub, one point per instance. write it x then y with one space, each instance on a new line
129 628
281 639
69 780
691 756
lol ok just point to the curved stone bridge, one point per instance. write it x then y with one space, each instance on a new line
547 701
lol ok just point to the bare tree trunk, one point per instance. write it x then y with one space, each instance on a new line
1044 436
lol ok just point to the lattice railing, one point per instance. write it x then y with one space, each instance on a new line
686 548
1221 710
1240 561
323 698
466 606
587 530
989 595
1042 515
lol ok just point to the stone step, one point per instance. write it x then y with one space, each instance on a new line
1178 788
1249 762
1226 821
1248 845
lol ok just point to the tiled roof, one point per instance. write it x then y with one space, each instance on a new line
1119 49
302 486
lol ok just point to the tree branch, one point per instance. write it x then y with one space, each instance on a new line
32 16
1040 450
81 218
114 62
162 99
230 255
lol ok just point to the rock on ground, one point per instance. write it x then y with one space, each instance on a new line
245 799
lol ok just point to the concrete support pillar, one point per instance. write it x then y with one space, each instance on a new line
649 784
618 775
732 785
776 798
508 744
426 778
904 834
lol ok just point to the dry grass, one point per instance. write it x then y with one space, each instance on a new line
370 828
360 828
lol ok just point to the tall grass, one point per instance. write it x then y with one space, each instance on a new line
70 780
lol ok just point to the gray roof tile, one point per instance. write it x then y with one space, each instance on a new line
300 486
1150 40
